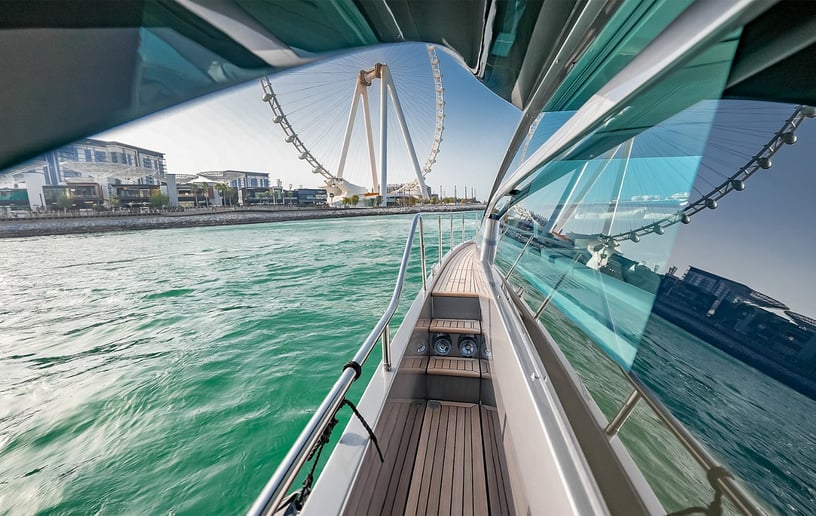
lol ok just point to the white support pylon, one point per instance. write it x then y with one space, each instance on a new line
620 177
355 101
386 79
360 93
383 136
387 89
370 139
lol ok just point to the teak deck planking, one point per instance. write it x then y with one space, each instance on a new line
442 458
462 277
467 367
464 326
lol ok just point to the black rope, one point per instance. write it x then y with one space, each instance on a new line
298 498
358 369
365 425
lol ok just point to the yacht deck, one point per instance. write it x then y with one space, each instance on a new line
448 459
462 276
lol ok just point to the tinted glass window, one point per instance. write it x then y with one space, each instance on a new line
674 244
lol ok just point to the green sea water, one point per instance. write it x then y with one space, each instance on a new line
168 371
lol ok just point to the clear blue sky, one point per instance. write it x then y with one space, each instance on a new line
234 130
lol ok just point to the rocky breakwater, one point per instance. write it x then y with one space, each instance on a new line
42 226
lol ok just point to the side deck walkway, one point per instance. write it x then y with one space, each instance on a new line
462 277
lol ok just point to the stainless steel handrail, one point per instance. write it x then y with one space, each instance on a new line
518 259
278 485
741 498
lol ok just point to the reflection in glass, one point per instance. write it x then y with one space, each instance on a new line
579 221
675 241
638 165
732 334
733 312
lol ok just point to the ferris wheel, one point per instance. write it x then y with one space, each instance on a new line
713 184
331 112
668 174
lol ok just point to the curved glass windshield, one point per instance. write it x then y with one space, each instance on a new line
673 242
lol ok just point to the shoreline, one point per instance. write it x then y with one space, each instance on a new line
34 227
716 338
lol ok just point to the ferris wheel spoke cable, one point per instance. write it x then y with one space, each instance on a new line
309 95
647 148
736 182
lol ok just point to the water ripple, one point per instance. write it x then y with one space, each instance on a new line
170 370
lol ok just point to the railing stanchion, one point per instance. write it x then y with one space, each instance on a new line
623 414
386 343
440 239
422 254
510 271
463 227
451 230
743 500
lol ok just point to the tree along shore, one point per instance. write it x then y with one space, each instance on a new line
28 227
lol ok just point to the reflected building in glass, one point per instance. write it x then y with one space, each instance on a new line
743 322
718 188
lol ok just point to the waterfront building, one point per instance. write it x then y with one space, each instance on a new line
243 189
726 290
148 164
255 195
311 196
771 333
13 198
738 319
73 196
194 191
289 197
692 299
806 357
96 158
78 165
279 196
239 179
251 180
134 195
244 182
